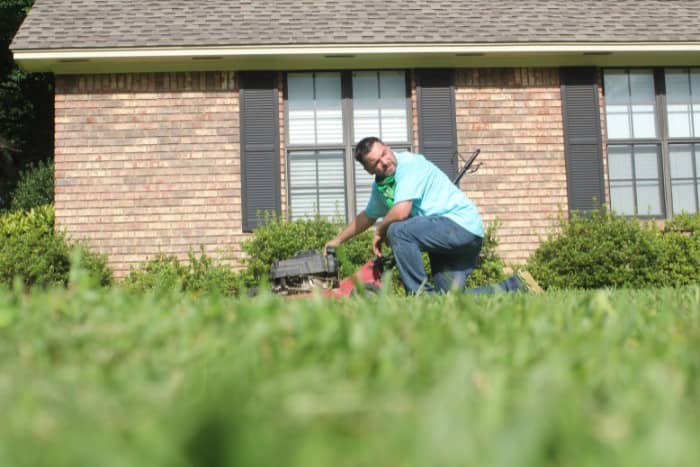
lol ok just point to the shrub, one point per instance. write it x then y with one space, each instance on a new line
681 261
354 253
163 272
684 223
31 250
489 270
199 275
207 275
34 187
607 250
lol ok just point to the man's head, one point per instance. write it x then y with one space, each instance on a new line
376 157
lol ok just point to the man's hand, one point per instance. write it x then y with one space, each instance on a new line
332 243
377 241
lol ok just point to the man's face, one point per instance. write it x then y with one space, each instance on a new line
380 161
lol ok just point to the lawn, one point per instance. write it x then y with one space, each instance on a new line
107 378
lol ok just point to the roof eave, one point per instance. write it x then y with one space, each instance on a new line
332 56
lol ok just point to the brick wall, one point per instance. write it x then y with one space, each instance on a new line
515 117
149 163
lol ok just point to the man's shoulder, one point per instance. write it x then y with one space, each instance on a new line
410 160
407 155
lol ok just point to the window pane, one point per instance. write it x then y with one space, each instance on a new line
303 199
300 103
363 187
643 121
683 194
365 94
695 98
394 119
642 87
616 87
331 185
648 198
620 162
642 98
379 105
678 121
617 109
697 160
681 161
618 121
329 115
646 162
316 184
678 103
622 197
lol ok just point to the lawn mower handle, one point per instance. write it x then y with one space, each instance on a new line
467 165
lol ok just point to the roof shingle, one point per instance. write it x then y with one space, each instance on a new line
68 24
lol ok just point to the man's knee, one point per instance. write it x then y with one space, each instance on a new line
396 231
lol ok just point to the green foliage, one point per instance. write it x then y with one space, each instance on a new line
92 267
201 274
32 251
608 250
163 272
684 223
107 378
490 267
35 187
26 107
354 253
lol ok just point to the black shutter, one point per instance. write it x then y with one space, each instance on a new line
582 139
437 120
260 147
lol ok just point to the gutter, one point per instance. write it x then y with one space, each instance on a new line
285 57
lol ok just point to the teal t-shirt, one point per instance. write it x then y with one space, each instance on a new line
432 193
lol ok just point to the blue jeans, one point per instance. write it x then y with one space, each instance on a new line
453 253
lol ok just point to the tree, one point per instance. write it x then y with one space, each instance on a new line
26 107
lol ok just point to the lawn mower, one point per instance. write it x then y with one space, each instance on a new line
311 270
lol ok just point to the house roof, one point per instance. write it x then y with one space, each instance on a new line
67 36
66 24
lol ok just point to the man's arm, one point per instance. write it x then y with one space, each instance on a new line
398 212
358 225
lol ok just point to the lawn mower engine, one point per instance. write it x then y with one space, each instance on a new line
306 271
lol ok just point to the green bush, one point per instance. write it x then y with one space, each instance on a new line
32 251
604 249
199 275
34 187
490 267
684 223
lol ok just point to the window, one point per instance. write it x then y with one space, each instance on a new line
327 114
653 139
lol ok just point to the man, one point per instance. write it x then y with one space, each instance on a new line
422 211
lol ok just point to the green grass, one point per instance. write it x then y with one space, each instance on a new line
105 378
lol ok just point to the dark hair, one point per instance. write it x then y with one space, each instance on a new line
364 147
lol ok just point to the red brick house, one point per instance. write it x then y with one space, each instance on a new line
178 122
